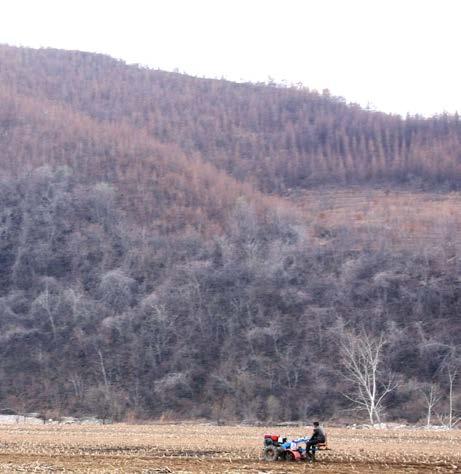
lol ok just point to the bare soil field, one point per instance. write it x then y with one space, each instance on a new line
201 448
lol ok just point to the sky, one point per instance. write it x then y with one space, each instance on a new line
398 56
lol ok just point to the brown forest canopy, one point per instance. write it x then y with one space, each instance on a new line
151 263
276 137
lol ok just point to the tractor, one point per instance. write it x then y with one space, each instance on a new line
278 448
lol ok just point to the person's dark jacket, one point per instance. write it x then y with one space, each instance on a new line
318 435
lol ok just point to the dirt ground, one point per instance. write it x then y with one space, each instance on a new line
201 448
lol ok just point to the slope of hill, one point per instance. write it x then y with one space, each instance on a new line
160 185
397 219
167 250
279 138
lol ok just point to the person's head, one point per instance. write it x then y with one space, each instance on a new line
316 424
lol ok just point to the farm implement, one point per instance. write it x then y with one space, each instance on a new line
278 448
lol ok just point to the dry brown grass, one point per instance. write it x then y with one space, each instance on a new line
393 218
194 448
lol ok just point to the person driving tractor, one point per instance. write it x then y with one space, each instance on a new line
318 437
281 448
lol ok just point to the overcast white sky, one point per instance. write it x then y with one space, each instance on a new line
396 55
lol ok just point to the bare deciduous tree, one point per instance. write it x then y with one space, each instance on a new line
451 368
431 395
362 360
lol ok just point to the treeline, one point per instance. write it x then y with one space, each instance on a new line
99 316
278 138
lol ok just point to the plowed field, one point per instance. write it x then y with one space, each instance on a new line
187 448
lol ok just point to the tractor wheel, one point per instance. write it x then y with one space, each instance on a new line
270 453
288 456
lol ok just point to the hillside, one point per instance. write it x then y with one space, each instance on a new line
160 185
185 247
277 137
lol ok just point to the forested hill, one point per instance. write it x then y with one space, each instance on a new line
183 247
160 186
276 137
